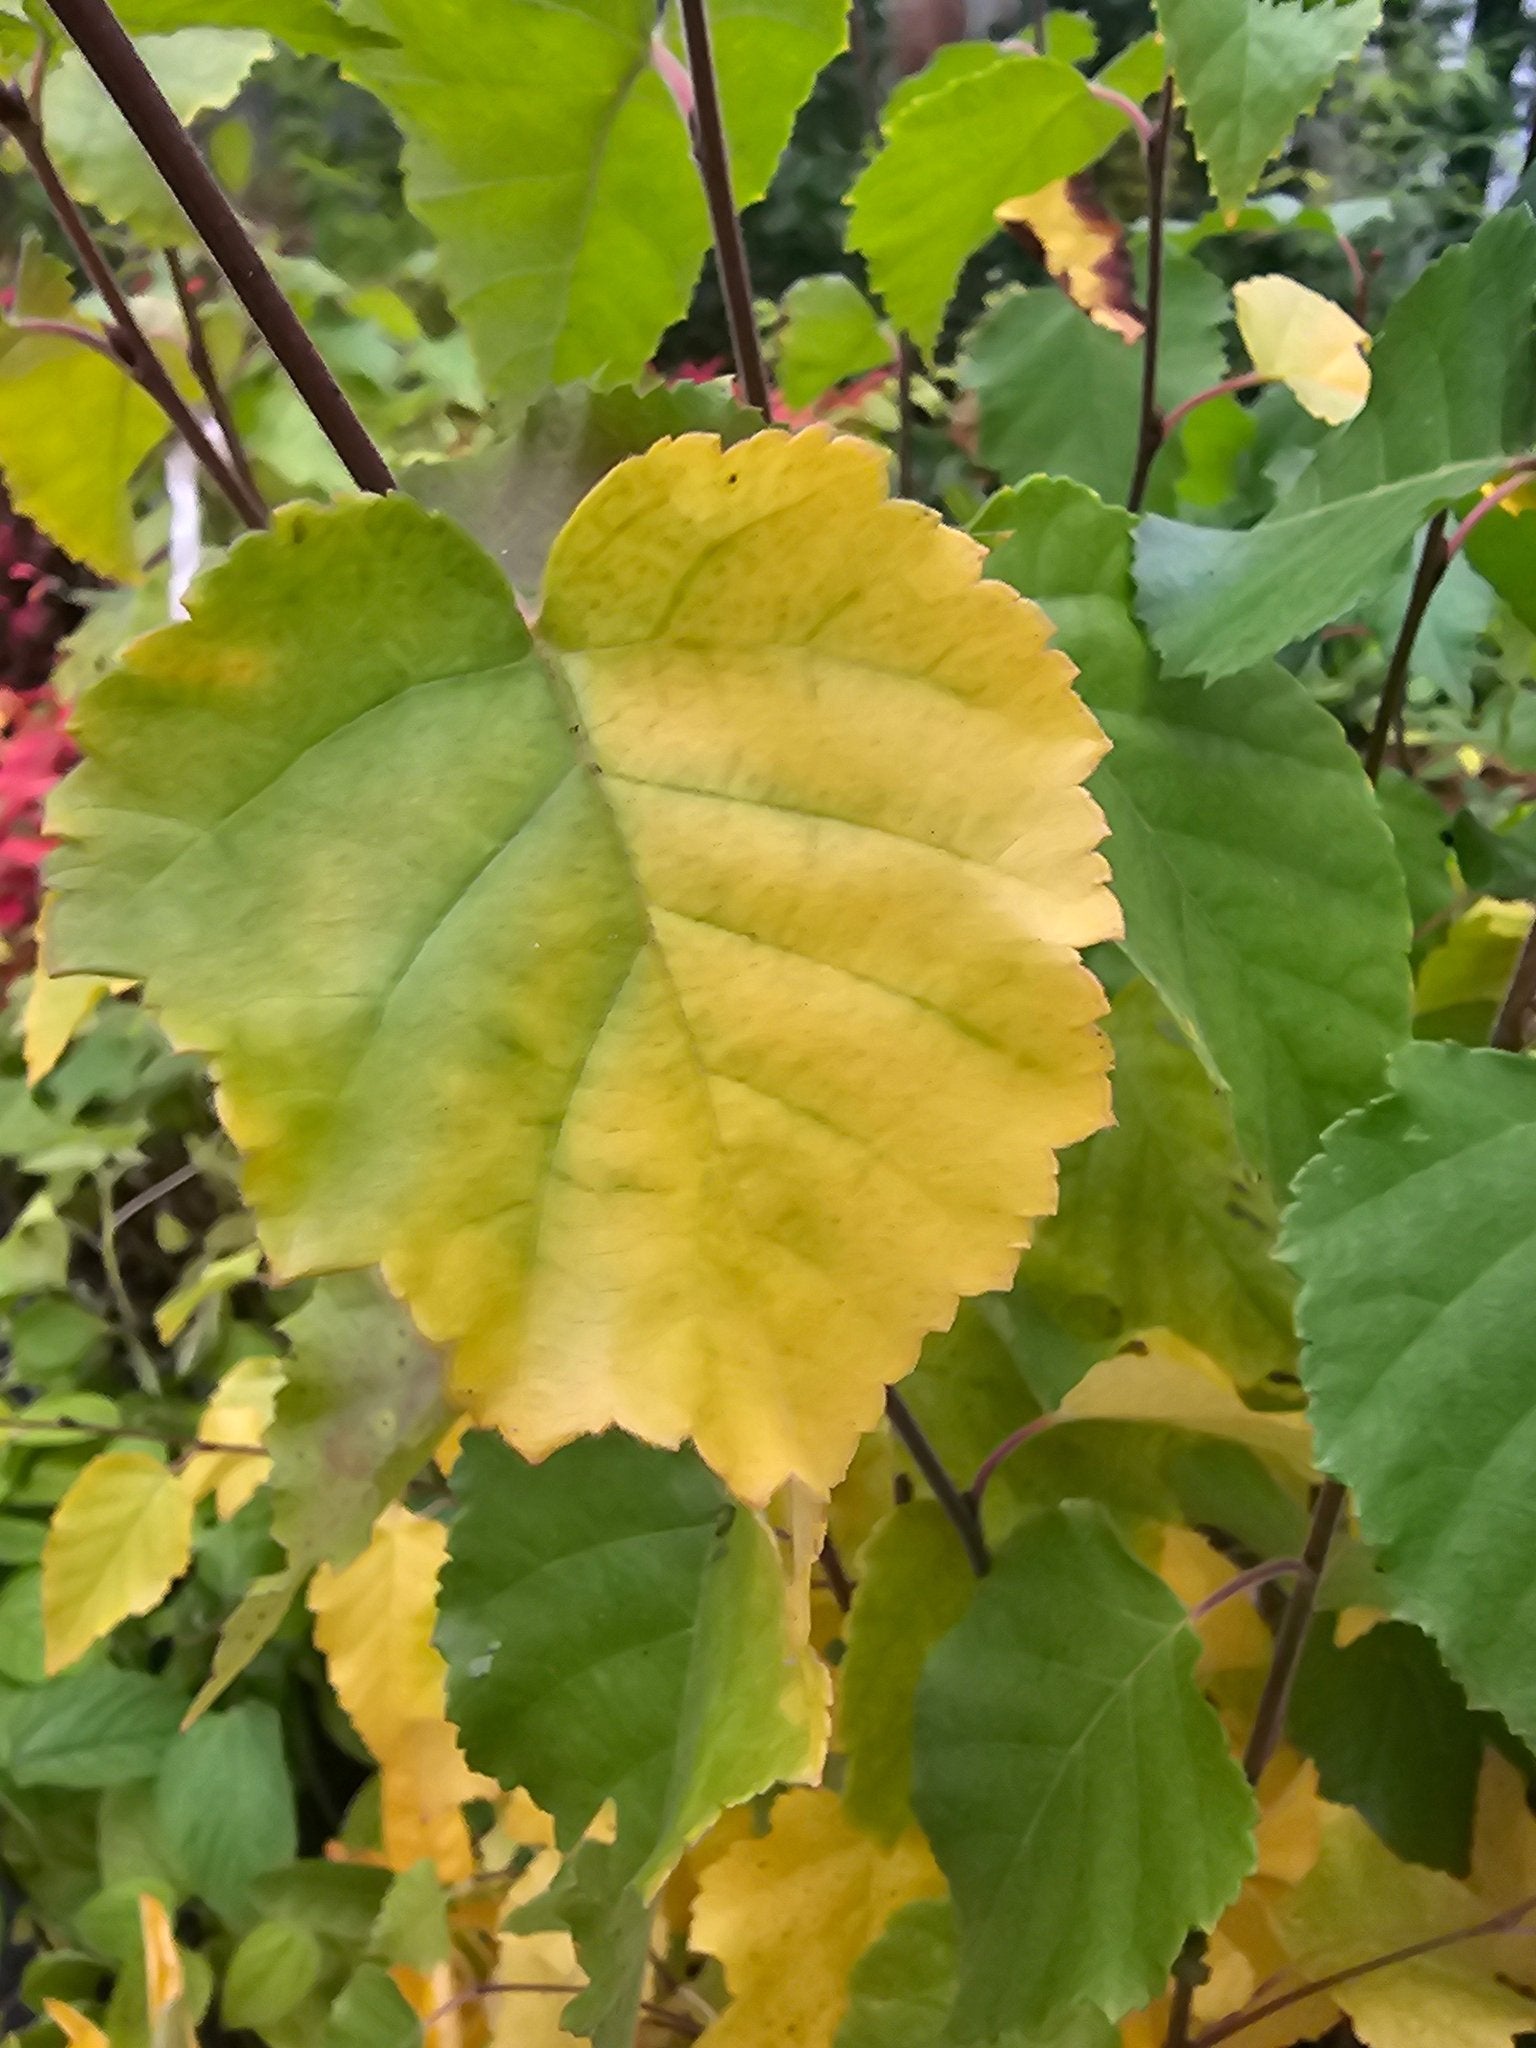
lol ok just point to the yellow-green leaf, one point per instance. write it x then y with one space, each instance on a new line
56 1008
119 1538
1294 336
714 1026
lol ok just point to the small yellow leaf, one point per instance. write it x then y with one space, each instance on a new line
239 1414
1476 960
789 1914
1083 248
118 1540
1232 1636
373 1622
1294 336
57 1005
164 1982
1159 1378
78 2031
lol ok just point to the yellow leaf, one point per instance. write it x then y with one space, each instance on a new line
1232 1636
788 1916
743 984
1294 336
118 1540
57 1005
373 1622
1474 964
1360 1902
1083 248
1160 1378
78 2031
532 2019
164 1981
240 1414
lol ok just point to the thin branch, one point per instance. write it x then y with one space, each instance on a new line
1244 380
1127 106
110 53
67 330
478 1991
958 1506
1150 436
1508 1033
835 1572
715 174
1518 479
1247 1582
208 377
1507 1922
1394 691
151 1195
143 1365
1010 1443
122 1432
133 347
1358 275
908 361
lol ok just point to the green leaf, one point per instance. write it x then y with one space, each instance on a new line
830 333
255 1621
1055 392
273 1970
371 2013
412 1927
913 1586
1262 896
1139 69
340 1901
1502 549
592 1899
1453 400
1160 1216
1417 824
1247 70
515 495
615 1555
358 1415
225 1805
544 152
1391 1735
102 162
312 27
1004 128
1074 1783
74 428
1070 38
902 1988
1413 1235
1495 863
90 1728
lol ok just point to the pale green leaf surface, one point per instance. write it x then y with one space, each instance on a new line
618 1557
1247 70
1453 399
359 1413
545 153
225 1805
914 1583
1138 70
273 1970
592 1900
312 27
1057 393
1070 38
1159 1214
1414 1236
1075 1785
1249 856
635 1060
74 428
830 333
1003 128
89 1728
949 62
260 1613
101 160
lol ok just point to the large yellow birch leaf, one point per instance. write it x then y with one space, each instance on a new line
118 1540
682 1005
1296 337
789 1914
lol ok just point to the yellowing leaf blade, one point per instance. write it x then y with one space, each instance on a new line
1299 338
119 1538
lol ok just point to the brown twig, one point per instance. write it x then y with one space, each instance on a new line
1508 1033
123 1432
208 377
1150 434
110 53
959 1506
1247 1582
1394 691
908 362
835 1572
132 346
715 174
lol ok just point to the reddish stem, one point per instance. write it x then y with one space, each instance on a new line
1006 1449
1517 480
1244 380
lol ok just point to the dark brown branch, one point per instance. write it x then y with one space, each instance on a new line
958 1506
208 377
110 53
709 149
835 1572
1150 434
908 362
1432 564
127 340
1509 1027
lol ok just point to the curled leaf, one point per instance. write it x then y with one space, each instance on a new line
1298 338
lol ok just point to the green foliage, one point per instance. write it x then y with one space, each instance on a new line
1059 1716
